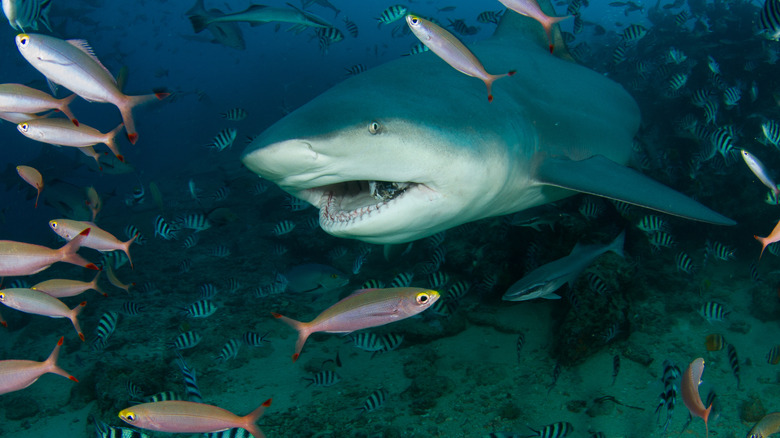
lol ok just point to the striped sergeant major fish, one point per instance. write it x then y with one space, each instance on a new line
234 114
323 378
391 14
163 229
671 375
190 380
768 20
555 430
374 401
201 309
490 16
186 340
351 27
229 351
104 330
254 339
734 361
103 430
196 222
24 15
223 140
713 311
230 433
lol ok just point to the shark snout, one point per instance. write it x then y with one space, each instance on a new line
281 160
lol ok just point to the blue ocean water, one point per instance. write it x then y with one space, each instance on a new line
474 365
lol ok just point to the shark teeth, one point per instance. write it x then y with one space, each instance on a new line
344 204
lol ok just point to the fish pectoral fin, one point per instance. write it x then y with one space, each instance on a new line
600 176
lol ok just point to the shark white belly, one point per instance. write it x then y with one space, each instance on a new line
413 147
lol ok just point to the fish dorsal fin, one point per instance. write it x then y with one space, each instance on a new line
513 26
84 46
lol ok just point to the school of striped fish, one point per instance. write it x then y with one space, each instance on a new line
223 310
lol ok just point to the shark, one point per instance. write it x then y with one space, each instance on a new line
412 147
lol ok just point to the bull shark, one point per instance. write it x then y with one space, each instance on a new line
413 147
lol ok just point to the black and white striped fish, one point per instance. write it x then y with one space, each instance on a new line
633 33
555 430
19 283
458 290
190 381
255 339
684 262
731 96
162 229
734 361
391 14
769 20
283 228
373 284
389 341
519 346
671 375
133 231
438 279
132 308
230 433
25 15
207 291
489 16
224 139
134 391
201 309
351 27
358 263
355 69
375 401
417 49
105 328
773 357
404 279
579 24
186 340
162 396
234 114
185 266
771 131
221 194
713 311
651 224
103 430
597 284
229 351
233 285
196 222
190 241
366 341
324 378
220 251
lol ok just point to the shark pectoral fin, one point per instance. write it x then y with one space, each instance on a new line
602 177
551 296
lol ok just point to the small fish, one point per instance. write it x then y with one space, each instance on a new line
224 139
18 98
62 288
220 251
490 16
375 400
233 285
373 284
458 290
19 374
690 391
355 69
351 27
162 396
392 14
773 357
32 177
758 169
677 81
438 280
684 262
19 258
771 131
417 49
97 239
367 341
324 378
714 342
39 303
597 284
389 341
365 308
190 381
720 251
633 33
452 51
731 96
190 241
162 229
403 279
254 339
132 308
207 291
773 237
555 430
229 351
652 224
196 222
185 266
105 328
234 115
712 311
770 424
531 9
132 232
186 340
283 228
165 416
134 391
201 309
734 361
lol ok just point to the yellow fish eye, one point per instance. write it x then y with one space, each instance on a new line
128 416
423 297
23 126
2 296
24 39
54 225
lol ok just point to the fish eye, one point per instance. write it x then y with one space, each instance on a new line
54 224
23 126
374 127
2 296
414 20
24 39
129 416
423 298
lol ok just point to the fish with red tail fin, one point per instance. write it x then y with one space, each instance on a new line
690 391
773 237
531 9
19 374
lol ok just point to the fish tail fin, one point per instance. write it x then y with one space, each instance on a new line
68 251
94 284
617 245
37 196
51 362
74 313
548 24
199 22
126 249
706 417
127 111
764 244
65 108
302 329
251 418
492 78
111 143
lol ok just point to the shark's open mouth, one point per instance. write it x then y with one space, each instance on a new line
344 203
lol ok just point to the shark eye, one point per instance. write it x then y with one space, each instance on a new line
374 127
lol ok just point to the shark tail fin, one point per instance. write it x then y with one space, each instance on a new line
600 176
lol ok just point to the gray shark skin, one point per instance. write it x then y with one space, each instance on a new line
543 281
555 128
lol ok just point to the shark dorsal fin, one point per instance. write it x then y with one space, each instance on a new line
514 26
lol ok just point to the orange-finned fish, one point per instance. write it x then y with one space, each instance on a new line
19 258
93 200
39 303
690 391
363 309
773 237
18 98
98 239
17 118
73 65
91 153
531 9
768 425
2 321
19 374
60 132
191 417
452 51
33 178
115 281
62 288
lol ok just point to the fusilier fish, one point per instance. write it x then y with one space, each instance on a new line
73 64
19 374
530 8
32 177
62 288
39 303
97 239
19 258
452 51
61 132
18 98
363 309
757 167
